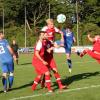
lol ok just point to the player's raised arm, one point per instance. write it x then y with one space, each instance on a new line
59 31
11 51
74 39
90 38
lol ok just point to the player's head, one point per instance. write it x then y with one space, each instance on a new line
43 35
50 23
68 26
1 35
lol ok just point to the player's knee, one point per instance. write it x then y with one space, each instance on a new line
11 74
39 76
47 73
55 70
68 56
4 75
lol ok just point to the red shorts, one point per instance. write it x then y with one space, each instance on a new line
94 55
51 63
40 68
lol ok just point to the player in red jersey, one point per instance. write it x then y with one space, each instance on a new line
51 30
40 64
48 57
95 52
43 61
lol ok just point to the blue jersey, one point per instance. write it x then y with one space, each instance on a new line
5 55
68 37
68 40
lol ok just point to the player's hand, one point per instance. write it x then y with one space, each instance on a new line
88 35
45 63
14 57
74 40
50 49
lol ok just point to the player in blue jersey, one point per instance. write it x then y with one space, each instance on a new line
6 62
69 39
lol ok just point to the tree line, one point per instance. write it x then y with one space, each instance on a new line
37 11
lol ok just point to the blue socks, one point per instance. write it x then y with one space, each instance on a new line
4 82
10 79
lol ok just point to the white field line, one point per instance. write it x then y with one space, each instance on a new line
64 91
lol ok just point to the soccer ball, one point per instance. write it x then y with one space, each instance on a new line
61 18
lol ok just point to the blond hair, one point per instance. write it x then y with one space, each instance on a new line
49 21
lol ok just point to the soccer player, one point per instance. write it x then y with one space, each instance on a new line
48 56
95 52
15 47
40 64
69 39
6 62
51 30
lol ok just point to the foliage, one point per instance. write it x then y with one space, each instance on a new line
38 10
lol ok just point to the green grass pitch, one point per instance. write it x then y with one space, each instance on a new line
83 82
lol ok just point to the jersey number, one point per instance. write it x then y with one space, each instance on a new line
2 50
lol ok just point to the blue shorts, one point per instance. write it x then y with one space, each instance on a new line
7 67
67 49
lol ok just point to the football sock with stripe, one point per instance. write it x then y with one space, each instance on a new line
36 80
10 79
48 82
4 82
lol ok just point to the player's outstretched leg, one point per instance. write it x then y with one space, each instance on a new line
81 54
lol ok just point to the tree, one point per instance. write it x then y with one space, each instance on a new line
1 12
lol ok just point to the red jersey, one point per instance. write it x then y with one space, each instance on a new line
51 32
40 46
40 68
96 45
48 45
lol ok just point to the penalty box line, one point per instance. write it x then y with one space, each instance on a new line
63 91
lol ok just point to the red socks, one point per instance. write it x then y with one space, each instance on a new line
35 83
83 53
58 79
48 82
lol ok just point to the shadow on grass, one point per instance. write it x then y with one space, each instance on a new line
71 79
1 92
25 63
23 86
20 87
66 81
